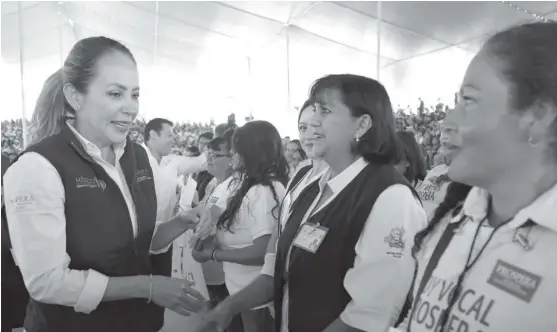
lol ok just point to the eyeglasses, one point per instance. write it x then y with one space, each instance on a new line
213 155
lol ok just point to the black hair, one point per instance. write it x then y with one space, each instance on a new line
221 129
208 135
363 95
529 55
306 104
259 145
156 125
79 69
193 150
417 169
225 139
453 200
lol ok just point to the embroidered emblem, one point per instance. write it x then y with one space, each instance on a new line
396 238
142 175
22 203
514 281
83 182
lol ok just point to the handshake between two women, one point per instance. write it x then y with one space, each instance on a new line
179 295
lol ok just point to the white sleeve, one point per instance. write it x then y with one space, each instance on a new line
262 209
190 165
383 251
35 211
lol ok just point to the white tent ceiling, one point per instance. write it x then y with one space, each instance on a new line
291 43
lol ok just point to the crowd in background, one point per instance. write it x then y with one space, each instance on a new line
424 123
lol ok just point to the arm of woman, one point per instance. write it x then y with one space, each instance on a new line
166 232
253 255
35 200
385 246
35 211
261 218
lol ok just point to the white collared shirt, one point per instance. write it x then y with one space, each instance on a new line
165 176
38 230
513 285
378 283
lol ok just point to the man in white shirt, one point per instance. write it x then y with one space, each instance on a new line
159 138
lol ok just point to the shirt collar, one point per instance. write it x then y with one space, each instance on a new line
91 148
542 211
340 181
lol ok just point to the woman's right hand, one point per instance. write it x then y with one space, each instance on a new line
177 295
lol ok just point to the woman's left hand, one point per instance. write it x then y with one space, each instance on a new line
204 252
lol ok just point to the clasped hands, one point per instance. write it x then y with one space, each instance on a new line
176 294
200 220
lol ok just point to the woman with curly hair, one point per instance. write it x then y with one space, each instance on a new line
252 211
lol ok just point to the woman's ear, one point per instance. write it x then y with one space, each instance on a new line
73 96
364 125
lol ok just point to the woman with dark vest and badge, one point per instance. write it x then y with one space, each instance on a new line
81 204
487 260
343 261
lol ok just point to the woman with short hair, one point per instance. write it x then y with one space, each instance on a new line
343 260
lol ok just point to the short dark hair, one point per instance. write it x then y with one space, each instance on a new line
156 125
363 95
208 135
193 150
226 139
221 129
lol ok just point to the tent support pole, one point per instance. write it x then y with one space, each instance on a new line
21 57
379 19
288 68
156 34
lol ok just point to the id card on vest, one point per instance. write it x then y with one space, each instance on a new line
511 288
310 237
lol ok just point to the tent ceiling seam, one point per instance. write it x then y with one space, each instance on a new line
183 22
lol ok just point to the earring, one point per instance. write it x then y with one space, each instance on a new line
77 107
357 139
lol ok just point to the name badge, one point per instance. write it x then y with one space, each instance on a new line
310 237
514 281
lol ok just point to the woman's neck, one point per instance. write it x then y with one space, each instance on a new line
318 165
221 179
513 192
341 163
107 151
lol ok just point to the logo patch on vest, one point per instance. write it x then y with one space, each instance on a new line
395 240
83 182
142 175
514 280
